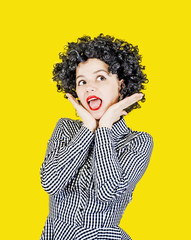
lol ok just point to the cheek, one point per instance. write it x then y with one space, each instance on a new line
79 94
80 97
113 92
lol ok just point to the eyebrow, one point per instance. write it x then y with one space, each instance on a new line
100 70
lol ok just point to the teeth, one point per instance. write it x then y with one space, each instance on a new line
92 99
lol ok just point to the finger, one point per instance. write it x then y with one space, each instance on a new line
124 113
126 102
73 100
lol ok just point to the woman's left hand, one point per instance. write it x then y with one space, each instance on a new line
115 111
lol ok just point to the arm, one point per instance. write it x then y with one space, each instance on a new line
64 155
115 174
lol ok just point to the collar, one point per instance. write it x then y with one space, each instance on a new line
119 128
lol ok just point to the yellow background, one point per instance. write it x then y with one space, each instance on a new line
32 35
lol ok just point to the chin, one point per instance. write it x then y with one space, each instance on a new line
97 116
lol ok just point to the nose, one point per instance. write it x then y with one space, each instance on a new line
90 87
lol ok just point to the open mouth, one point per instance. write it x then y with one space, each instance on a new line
94 103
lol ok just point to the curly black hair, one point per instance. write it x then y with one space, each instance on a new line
122 58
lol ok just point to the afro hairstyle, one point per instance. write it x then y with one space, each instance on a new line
121 57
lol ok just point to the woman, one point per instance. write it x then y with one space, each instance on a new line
92 166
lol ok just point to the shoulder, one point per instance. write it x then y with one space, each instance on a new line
137 140
142 136
143 141
67 127
68 122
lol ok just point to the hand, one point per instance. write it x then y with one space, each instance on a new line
86 117
116 110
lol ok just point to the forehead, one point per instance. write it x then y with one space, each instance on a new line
90 66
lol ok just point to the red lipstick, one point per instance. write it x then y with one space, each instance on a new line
91 98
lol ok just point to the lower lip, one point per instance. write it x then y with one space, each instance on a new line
95 109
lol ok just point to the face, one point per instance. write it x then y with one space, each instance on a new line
96 88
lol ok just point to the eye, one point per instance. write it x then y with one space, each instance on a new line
101 77
81 82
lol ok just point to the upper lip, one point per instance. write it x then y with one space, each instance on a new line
91 97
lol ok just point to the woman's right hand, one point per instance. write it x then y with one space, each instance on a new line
88 120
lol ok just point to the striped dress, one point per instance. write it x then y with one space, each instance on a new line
90 178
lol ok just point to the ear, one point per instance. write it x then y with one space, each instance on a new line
120 83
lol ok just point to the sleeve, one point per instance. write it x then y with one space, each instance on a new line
64 155
115 174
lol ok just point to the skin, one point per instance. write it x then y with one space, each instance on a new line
93 78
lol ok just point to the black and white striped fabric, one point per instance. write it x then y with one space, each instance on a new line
90 179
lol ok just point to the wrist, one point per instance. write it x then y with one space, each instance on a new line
105 125
91 128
